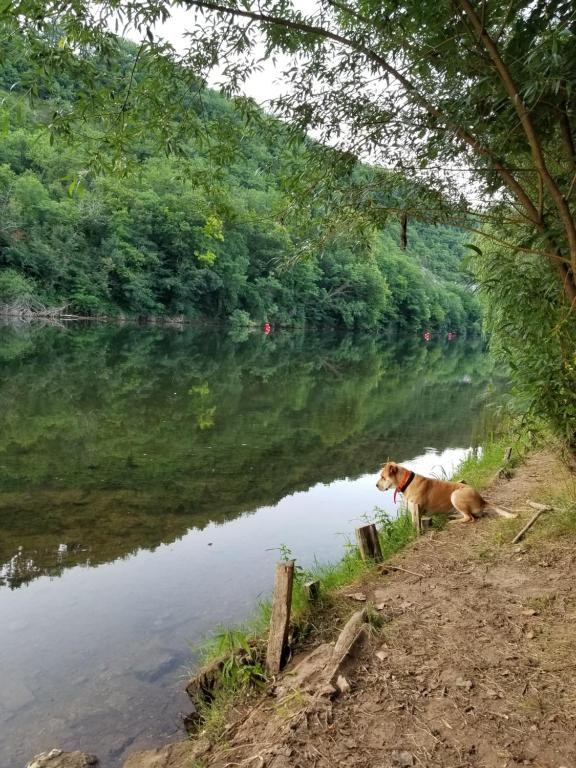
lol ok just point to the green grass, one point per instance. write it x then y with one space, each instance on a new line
480 469
394 535
559 523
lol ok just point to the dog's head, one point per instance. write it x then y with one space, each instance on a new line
387 477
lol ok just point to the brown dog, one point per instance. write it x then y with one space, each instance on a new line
435 496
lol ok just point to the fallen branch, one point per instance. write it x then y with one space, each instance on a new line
530 522
384 568
539 507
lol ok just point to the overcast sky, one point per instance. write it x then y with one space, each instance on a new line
261 86
267 84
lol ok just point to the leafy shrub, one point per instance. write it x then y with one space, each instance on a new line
86 304
15 286
240 319
533 332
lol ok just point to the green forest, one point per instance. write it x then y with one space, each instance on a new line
174 236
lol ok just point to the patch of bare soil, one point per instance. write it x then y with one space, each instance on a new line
474 666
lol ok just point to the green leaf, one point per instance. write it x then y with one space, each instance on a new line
474 248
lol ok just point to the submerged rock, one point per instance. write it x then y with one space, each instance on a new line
181 754
56 758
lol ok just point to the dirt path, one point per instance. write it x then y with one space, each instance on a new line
475 665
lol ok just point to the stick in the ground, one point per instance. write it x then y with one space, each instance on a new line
280 619
507 454
527 527
312 590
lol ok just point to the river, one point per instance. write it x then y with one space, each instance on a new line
148 477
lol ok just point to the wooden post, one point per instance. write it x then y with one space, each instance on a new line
507 454
280 618
312 590
369 543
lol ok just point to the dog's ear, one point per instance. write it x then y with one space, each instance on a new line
392 467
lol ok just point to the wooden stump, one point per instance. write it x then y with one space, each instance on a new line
369 543
280 618
312 590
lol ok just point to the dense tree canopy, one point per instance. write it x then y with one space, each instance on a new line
178 236
483 88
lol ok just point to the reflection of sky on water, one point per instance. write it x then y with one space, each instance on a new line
95 658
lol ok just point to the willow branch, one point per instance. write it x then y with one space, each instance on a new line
527 124
510 181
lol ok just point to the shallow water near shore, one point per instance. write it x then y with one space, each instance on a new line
147 479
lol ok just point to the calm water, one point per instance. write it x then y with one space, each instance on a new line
146 478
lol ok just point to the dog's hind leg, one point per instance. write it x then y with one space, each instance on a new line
463 506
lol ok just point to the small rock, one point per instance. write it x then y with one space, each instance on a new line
402 759
56 758
350 744
461 683
359 596
178 753
283 751
529 612
380 606
381 655
529 635
405 605
342 684
491 694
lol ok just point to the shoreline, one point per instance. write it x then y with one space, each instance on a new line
55 317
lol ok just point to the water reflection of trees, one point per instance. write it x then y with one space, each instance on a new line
114 439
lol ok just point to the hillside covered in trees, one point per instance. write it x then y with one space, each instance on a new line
177 236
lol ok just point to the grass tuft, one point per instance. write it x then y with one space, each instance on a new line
479 469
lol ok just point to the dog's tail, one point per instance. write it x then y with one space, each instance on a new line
499 510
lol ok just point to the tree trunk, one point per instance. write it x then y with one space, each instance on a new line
568 283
